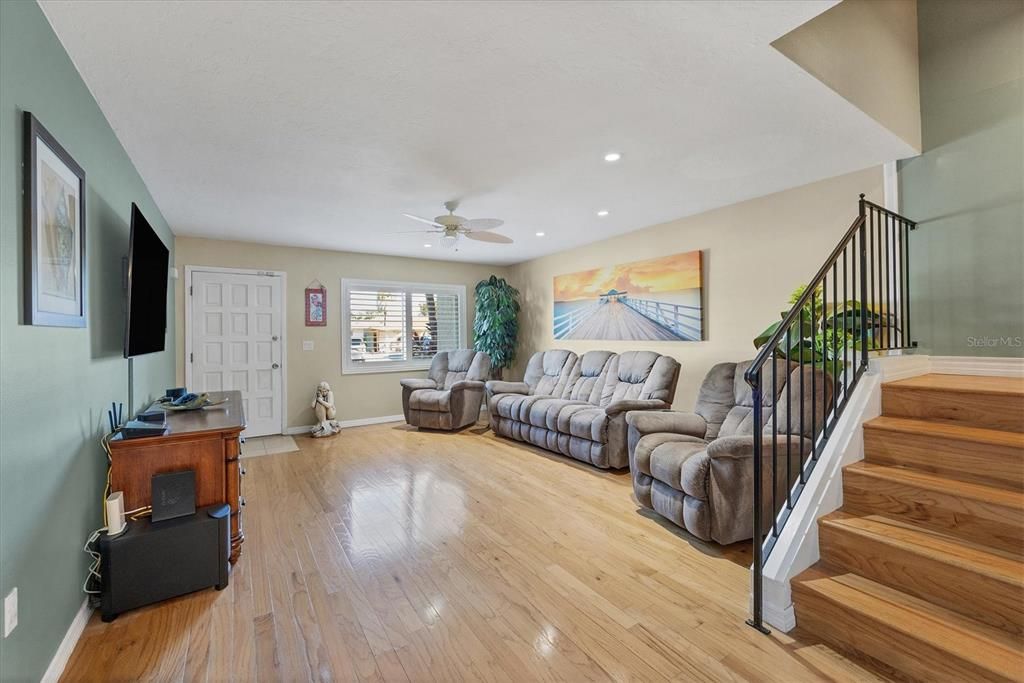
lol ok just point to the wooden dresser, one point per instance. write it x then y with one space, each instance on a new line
206 441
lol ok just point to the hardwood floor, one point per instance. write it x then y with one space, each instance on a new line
388 554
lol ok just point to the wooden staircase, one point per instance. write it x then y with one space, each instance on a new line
922 570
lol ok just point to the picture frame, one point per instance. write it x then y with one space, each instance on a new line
55 265
316 306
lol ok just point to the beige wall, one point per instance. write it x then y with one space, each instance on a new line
865 50
755 254
357 396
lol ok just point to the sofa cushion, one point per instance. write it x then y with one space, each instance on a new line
547 372
640 375
433 400
585 421
648 443
587 377
544 411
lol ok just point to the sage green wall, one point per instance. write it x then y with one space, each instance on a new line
55 382
966 189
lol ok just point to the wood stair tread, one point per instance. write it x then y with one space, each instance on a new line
969 384
939 546
933 482
941 629
948 430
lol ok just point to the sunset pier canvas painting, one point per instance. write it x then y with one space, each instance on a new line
654 300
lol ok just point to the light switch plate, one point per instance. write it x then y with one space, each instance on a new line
10 611
307 346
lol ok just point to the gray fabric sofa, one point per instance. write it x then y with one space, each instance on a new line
452 393
577 405
696 469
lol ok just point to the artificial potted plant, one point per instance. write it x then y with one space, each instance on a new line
825 334
496 324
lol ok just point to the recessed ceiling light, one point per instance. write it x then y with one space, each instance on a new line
602 212
612 156
540 234
428 245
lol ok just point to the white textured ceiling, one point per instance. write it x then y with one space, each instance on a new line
318 123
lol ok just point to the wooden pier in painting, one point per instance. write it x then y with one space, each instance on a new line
621 318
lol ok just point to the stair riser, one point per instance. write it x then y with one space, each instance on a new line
989 464
982 522
985 410
988 599
848 630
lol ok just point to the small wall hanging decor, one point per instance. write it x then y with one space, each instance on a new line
55 265
316 305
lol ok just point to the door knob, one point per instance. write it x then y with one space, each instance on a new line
275 366
274 338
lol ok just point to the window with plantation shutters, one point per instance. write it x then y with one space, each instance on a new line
391 326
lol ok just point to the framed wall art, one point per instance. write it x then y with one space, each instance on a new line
316 305
55 264
654 300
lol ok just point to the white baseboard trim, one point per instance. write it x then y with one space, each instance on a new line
345 424
67 646
971 365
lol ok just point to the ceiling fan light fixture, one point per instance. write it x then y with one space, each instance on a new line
448 241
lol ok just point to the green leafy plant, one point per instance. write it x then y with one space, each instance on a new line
496 325
824 332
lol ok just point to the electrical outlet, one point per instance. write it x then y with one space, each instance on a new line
307 346
10 611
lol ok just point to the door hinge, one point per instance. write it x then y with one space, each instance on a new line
191 358
190 290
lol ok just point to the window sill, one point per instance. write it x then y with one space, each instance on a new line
384 369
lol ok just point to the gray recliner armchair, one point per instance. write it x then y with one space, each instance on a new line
452 393
696 469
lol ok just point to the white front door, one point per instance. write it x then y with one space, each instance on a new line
236 343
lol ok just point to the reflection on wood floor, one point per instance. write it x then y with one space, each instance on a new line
389 554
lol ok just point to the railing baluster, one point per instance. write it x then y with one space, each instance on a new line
757 618
814 375
801 404
789 417
775 436
862 238
846 336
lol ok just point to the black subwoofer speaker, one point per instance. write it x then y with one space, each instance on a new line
150 562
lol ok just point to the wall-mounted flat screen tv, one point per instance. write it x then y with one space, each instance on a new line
148 261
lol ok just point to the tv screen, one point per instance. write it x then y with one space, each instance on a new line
148 261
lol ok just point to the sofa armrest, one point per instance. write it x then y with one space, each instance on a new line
645 422
737 447
413 383
497 386
625 406
464 384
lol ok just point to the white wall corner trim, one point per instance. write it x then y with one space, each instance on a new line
890 186
67 645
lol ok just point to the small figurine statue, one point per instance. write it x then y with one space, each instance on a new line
323 407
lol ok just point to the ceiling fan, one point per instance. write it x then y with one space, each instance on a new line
450 228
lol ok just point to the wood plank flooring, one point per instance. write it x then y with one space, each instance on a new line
387 554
